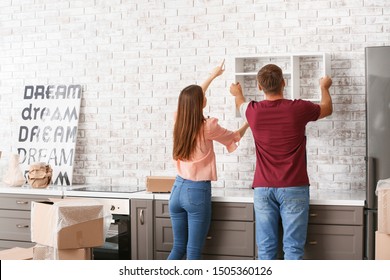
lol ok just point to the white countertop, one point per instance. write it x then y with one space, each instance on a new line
222 195
317 197
28 190
323 197
103 194
328 197
52 190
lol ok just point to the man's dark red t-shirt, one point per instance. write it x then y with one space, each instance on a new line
278 129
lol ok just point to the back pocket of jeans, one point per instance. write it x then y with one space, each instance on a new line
196 196
296 199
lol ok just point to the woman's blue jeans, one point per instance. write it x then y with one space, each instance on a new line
291 204
190 211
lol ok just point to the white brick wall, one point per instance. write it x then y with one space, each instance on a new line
134 56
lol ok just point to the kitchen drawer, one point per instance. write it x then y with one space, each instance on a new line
224 238
161 208
222 257
230 238
163 234
6 244
336 215
224 211
164 256
334 242
232 211
15 225
18 202
161 255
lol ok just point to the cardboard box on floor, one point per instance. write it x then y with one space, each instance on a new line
382 246
159 184
41 252
69 224
383 193
17 253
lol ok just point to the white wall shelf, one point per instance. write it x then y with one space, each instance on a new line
301 72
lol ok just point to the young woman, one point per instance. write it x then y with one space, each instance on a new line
193 152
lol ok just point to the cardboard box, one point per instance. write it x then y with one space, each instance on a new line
49 253
68 224
159 184
382 246
383 193
17 253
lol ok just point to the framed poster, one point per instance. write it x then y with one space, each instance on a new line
47 129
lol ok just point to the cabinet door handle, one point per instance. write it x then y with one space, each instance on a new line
313 242
22 226
313 214
21 202
209 237
141 217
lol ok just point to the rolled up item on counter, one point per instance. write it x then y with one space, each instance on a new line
14 175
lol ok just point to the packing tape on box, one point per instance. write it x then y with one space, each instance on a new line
382 185
68 212
383 193
49 253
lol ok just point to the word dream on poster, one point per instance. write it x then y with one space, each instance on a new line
47 130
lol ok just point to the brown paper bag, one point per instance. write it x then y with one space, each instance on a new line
39 175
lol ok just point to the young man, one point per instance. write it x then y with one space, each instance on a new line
281 183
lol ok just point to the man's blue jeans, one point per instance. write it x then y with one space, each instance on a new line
190 211
291 204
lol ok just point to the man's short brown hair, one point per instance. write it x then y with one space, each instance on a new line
270 78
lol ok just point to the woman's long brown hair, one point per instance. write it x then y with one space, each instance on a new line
189 121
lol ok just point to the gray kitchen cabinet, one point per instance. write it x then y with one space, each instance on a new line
231 233
15 221
335 233
142 228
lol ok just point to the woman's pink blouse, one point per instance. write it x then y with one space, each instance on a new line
203 165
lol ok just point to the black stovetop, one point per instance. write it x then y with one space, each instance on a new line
116 189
